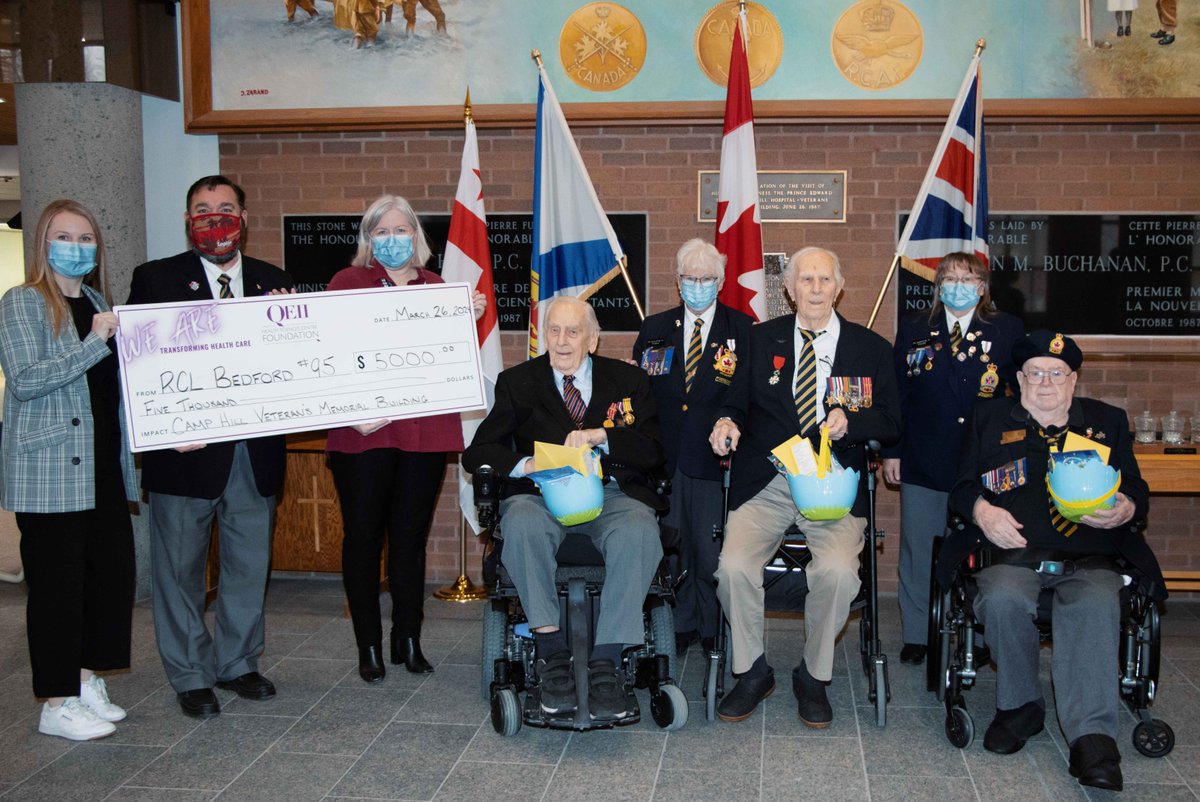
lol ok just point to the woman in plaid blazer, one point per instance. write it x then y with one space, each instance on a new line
67 473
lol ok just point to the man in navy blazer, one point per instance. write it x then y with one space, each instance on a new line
803 373
690 353
570 397
237 482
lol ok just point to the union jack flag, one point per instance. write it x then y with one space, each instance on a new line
950 213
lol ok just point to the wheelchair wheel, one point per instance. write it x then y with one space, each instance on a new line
1153 738
669 707
506 712
662 631
938 603
881 691
495 637
960 730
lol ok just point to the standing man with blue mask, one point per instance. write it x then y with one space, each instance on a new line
235 483
691 355
945 361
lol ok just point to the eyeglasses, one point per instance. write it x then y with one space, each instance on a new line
965 282
1040 376
692 281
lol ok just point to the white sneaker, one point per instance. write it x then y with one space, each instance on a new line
94 694
74 721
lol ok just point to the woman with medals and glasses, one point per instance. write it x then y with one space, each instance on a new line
67 472
388 473
946 361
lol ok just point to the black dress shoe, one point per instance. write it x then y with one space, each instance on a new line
1096 761
740 702
1010 729
913 654
1160 33
200 703
408 651
812 702
1167 39
370 663
249 686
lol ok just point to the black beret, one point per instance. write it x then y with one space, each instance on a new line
1048 344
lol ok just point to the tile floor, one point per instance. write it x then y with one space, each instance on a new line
327 735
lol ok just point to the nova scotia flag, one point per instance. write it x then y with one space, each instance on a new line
575 251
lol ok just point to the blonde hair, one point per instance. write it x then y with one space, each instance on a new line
371 218
40 275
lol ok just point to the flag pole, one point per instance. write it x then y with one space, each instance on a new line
980 46
462 589
632 293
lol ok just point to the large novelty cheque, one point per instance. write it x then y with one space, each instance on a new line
209 371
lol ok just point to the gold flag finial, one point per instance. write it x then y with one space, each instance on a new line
467 107
980 46
536 55
741 6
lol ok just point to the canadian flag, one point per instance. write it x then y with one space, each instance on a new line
468 258
739 229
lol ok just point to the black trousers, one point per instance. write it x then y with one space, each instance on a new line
81 572
386 490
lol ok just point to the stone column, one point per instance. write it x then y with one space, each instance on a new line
84 141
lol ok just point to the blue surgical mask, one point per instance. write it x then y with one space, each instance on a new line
959 297
71 259
394 250
697 297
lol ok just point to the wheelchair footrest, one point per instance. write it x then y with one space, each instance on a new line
534 716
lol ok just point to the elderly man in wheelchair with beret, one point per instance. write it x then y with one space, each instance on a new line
1031 547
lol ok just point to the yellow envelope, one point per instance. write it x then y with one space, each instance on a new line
783 453
823 455
1077 442
549 455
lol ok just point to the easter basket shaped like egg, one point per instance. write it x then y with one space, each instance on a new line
825 498
571 497
1079 487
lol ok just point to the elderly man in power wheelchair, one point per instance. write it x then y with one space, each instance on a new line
1030 547
568 396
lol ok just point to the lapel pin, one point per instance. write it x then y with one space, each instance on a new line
193 285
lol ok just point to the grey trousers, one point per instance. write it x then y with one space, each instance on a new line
922 518
1086 617
696 506
752 534
626 533
180 528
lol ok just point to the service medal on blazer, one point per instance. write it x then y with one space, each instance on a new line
989 381
620 413
778 362
725 364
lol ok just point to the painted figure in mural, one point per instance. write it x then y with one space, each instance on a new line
1124 10
360 16
410 14
1167 17
307 5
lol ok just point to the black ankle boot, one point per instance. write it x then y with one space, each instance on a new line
408 651
370 663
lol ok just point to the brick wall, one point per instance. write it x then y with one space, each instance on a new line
1043 167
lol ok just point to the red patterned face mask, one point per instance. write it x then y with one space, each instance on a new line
216 234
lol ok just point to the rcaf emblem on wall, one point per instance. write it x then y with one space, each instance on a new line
602 46
877 44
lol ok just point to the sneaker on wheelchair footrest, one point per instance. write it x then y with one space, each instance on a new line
556 683
606 691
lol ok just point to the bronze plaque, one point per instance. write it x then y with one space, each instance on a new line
784 196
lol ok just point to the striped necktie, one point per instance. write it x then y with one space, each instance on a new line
804 392
693 356
574 400
1060 524
955 338
223 280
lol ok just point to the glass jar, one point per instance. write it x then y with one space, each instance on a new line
1145 427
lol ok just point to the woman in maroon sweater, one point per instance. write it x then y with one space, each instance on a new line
388 473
